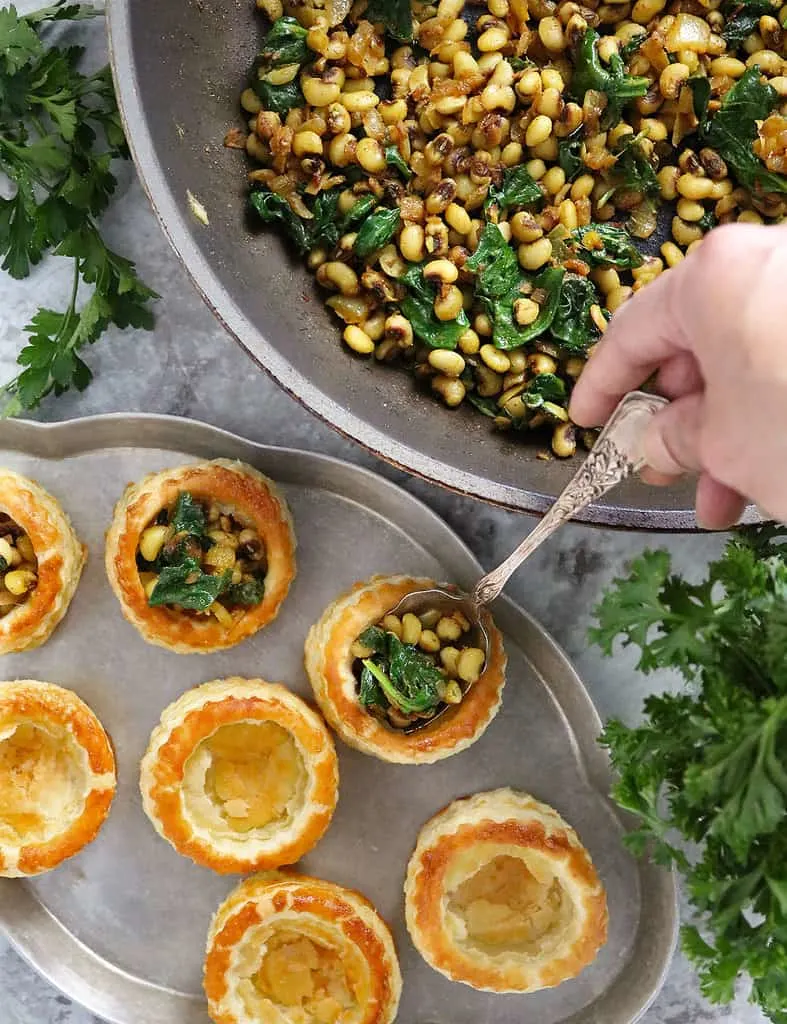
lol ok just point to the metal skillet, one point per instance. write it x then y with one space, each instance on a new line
615 456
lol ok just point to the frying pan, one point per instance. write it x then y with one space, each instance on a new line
179 67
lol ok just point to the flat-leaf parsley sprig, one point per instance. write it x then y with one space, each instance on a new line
59 133
709 765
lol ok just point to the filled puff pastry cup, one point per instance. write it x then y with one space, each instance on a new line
502 895
28 511
57 777
329 660
241 775
239 490
288 949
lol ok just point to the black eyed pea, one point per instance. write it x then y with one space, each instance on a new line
358 650
9 554
495 359
526 311
449 303
20 581
564 440
470 664
447 362
399 329
448 628
440 271
451 390
152 541
307 143
428 641
448 657
340 277
393 624
540 362
411 628
453 693
358 340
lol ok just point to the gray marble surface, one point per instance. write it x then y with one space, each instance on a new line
190 367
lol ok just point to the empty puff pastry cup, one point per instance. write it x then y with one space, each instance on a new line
42 561
287 949
57 777
331 666
230 494
241 775
502 896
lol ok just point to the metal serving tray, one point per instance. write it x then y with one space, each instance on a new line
120 928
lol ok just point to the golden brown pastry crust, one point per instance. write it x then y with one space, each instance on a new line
57 711
462 839
194 718
340 917
232 484
329 665
61 558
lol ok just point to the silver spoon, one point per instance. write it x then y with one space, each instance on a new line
616 455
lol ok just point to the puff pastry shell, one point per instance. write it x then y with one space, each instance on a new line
60 556
57 776
467 914
267 910
329 663
234 485
297 762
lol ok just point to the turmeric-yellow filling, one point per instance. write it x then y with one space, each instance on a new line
41 784
505 905
254 773
313 981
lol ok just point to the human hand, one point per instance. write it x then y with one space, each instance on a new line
714 331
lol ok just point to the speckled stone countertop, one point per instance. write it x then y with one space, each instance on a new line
190 367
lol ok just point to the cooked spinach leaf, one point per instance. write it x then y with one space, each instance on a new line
499 284
733 128
188 516
601 245
370 694
407 678
568 154
279 98
323 228
188 586
517 189
395 15
376 231
546 387
590 73
375 639
573 325
632 46
708 220
272 208
358 212
486 406
395 159
3 564
245 594
285 43
743 18
633 170
418 307
495 263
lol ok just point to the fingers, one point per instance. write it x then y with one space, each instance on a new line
718 506
640 337
680 375
671 444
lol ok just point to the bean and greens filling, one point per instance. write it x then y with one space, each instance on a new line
18 565
201 557
472 183
409 669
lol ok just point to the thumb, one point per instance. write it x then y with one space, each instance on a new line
671 444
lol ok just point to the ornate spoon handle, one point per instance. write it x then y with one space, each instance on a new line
616 455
